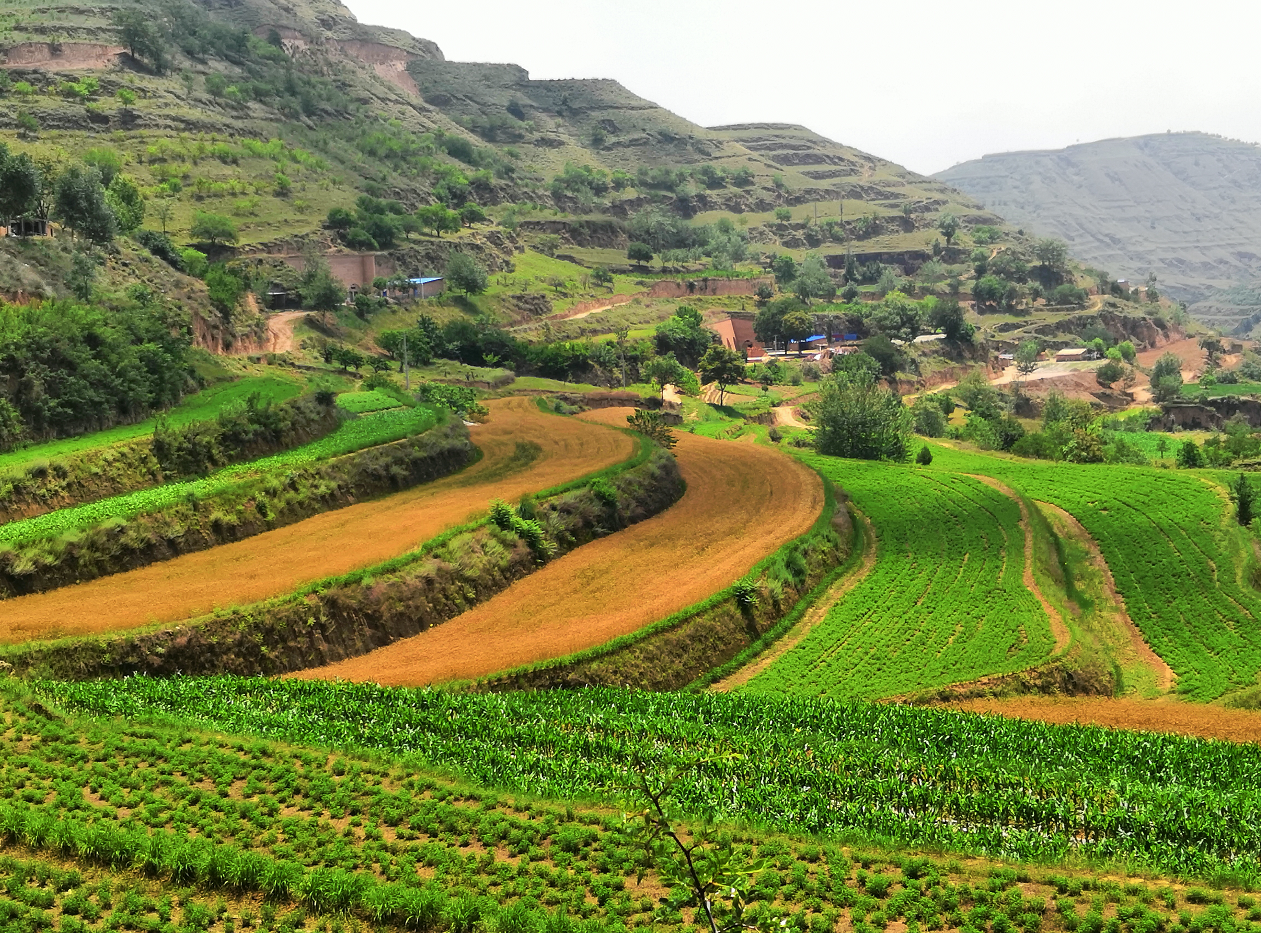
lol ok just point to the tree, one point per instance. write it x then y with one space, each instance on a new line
948 317
684 336
79 202
989 291
20 185
1052 257
662 371
1212 347
723 366
141 38
1190 456
466 274
225 289
859 418
784 269
948 226
652 426
1245 498
1027 357
213 228
472 214
127 203
639 253
602 277
320 291
1109 373
797 326
924 457
125 96
438 218
1127 351
813 280
1166 378
1162 445
82 275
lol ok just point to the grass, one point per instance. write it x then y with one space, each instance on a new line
1194 390
202 406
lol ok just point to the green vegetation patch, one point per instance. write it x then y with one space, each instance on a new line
907 775
362 402
945 602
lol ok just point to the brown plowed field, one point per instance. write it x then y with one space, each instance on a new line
742 503
1163 715
333 543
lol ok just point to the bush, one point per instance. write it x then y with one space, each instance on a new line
161 246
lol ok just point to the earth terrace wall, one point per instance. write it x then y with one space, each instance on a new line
254 508
352 615
101 473
699 645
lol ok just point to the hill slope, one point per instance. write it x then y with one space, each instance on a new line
1181 205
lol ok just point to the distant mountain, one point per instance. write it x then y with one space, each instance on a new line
1186 206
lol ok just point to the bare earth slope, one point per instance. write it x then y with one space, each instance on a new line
334 543
742 502
1186 206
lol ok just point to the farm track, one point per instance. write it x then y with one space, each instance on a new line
816 614
358 536
742 503
1163 715
1058 629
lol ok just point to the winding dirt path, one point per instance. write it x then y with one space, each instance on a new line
337 542
742 503
280 330
1063 637
813 616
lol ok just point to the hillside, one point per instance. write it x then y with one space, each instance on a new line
1182 206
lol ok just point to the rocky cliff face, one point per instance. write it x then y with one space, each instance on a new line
1186 206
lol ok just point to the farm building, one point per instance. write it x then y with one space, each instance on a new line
1074 355
427 286
735 331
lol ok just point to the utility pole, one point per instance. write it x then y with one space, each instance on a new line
407 372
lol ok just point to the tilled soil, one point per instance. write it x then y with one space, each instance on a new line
1163 715
742 503
334 543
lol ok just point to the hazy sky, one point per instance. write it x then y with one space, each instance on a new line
926 84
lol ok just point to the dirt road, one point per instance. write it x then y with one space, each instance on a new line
334 543
742 502
280 330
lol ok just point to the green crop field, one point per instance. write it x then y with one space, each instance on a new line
944 603
842 770
363 402
1177 559
369 430
202 406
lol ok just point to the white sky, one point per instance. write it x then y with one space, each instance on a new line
925 84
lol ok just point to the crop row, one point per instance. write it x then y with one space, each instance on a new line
945 602
359 432
914 776
363 402
1168 541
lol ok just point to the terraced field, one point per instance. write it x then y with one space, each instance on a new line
945 602
562 449
1177 560
620 583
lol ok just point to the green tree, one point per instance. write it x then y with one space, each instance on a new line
797 326
125 96
20 185
602 277
662 371
1052 257
813 280
319 289
472 214
948 317
465 273
1128 353
784 268
1245 499
989 291
653 426
1027 356
213 229
948 226
684 336
639 253
924 457
438 218
127 203
1190 456
1166 378
141 37
79 202
859 418
82 275
1162 445
722 366
1109 373
225 289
